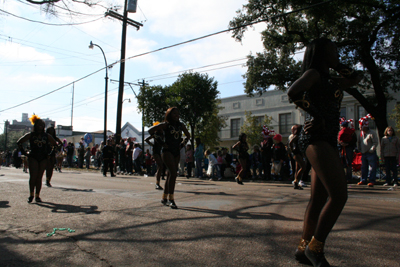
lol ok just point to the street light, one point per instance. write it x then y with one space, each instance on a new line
106 90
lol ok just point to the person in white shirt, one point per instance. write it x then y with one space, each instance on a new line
137 153
212 165
182 161
367 144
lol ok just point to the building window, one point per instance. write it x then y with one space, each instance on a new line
285 123
343 112
260 120
361 112
259 102
236 105
235 127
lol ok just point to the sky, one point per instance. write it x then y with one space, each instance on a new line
37 59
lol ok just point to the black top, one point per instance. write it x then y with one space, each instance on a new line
279 151
39 146
158 139
242 148
266 149
325 98
173 138
108 152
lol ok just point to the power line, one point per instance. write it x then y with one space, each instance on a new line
50 24
167 47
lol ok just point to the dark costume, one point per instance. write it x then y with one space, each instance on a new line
266 156
108 158
173 138
39 146
158 141
323 103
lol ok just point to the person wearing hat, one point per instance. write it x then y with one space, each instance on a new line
279 155
367 144
347 140
390 149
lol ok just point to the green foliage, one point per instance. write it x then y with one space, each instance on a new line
155 102
208 130
252 127
395 115
196 97
366 32
12 138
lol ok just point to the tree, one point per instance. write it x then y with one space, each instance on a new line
252 127
12 138
154 102
396 116
208 130
366 32
196 97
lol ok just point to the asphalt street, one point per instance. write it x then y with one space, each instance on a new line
119 221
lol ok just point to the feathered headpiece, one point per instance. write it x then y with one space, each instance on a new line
34 118
350 122
266 132
364 120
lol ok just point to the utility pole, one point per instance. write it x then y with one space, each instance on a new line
121 76
72 106
6 123
142 93
125 22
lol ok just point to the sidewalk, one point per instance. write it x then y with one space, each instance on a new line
121 222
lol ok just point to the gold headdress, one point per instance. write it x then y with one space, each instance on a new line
34 118
156 123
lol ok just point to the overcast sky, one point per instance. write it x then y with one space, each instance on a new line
36 59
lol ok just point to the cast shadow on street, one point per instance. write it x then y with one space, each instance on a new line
67 208
241 214
74 189
206 193
4 204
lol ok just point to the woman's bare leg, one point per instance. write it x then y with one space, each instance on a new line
300 167
328 180
159 163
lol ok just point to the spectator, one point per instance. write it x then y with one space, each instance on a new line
182 161
70 154
226 161
256 161
367 144
137 154
279 156
81 154
87 157
122 157
347 140
390 149
212 165
189 160
129 155
108 159
148 161
199 156
266 156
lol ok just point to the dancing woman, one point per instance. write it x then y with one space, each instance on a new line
172 129
320 95
52 156
242 147
300 167
38 142
158 137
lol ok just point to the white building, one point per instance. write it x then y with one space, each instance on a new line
284 114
